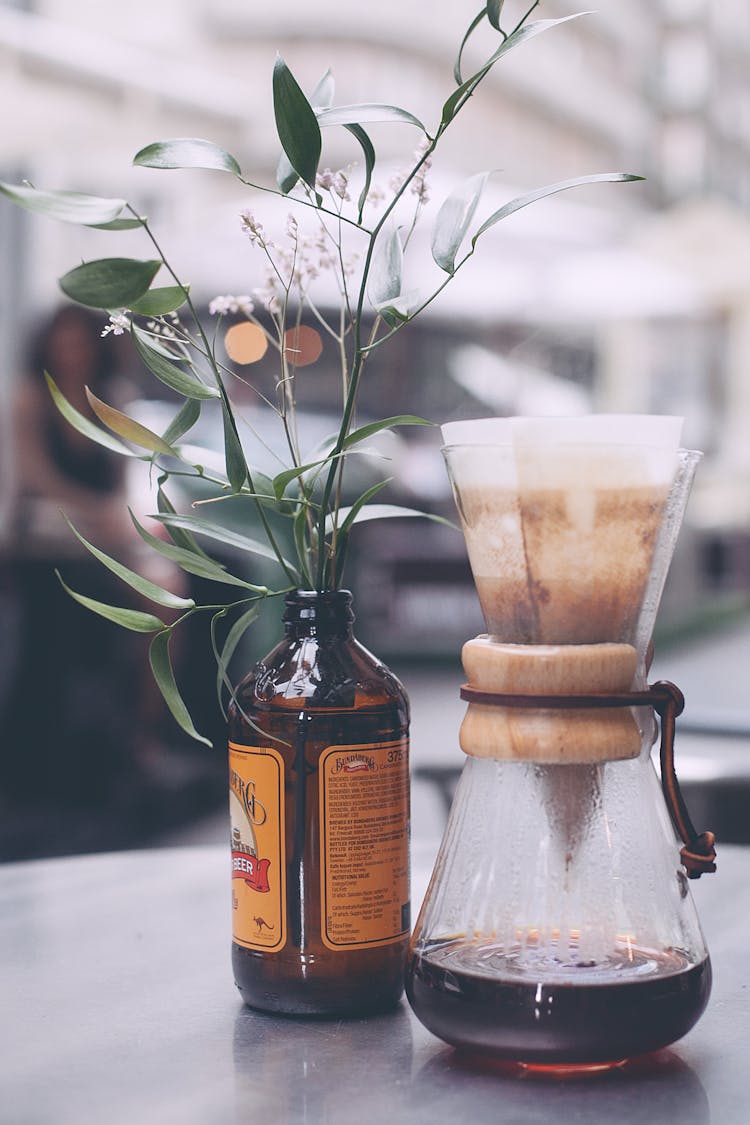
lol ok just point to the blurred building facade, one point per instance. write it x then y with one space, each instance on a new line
610 289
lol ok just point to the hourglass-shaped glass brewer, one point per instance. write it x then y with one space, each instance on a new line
558 927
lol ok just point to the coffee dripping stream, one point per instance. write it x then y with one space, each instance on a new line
558 927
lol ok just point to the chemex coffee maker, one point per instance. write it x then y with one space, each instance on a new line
558 929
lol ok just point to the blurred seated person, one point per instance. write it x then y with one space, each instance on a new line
56 466
82 723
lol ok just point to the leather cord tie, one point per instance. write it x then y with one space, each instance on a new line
698 854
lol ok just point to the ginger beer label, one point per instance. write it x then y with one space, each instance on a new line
256 809
364 844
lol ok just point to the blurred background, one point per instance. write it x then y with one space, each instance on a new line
622 298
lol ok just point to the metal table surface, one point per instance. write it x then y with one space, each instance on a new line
117 1006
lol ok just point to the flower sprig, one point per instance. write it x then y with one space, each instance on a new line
344 227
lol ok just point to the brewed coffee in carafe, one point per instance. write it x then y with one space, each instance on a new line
558 928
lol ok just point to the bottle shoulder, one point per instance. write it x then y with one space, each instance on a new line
324 673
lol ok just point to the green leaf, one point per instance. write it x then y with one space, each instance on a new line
186 152
300 528
169 349
281 480
132 619
388 511
321 98
118 224
81 423
552 189
400 309
367 113
371 428
369 155
350 514
179 537
200 565
528 31
127 427
471 28
222 535
234 456
142 585
157 302
67 206
184 420
109 283
168 372
453 221
224 655
325 89
494 9
384 283
296 123
161 666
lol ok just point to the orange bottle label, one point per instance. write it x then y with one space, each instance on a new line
364 844
256 809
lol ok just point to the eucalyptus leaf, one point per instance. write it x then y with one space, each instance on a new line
67 206
168 372
224 655
521 35
109 283
281 480
118 224
300 528
471 28
552 189
350 514
127 427
179 537
400 309
142 585
371 428
321 98
134 619
368 152
367 113
187 152
286 177
169 348
384 283
161 667
390 511
296 123
157 302
200 565
240 542
494 10
83 424
234 457
453 220
324 92
184 420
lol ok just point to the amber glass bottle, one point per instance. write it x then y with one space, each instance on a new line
319 796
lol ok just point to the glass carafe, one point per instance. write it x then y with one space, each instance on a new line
558 928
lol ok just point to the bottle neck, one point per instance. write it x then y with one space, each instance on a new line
324 615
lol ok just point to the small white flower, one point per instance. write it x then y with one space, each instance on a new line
220 306
118 324
253 228
340 183
324 179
